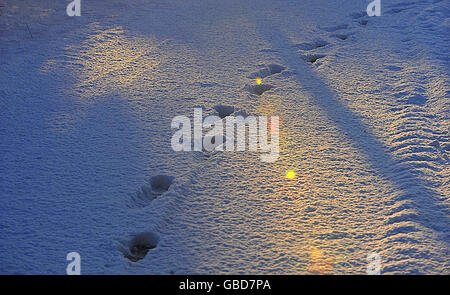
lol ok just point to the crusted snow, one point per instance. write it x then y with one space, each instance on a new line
86 164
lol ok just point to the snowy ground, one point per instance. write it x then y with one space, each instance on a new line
87 102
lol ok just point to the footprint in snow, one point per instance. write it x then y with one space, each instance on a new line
224 110
313 58
342 36
312 45
138 246
267 71
158 185
363 22
258 89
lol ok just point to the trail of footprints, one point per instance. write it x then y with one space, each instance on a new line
223 111
312 52
137 247
340 32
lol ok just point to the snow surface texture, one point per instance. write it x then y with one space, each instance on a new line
86 165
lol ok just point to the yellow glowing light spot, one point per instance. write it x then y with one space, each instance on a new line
320 263
258 80
290 174
316 254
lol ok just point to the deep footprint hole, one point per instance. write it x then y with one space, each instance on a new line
224 110
161 183
275 69
259 89
341 36
138 247
363 22
312 58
